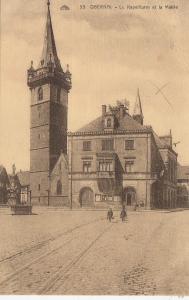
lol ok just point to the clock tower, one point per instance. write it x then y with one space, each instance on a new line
49 86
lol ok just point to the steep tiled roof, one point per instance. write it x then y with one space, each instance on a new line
125 123
159 142
24 178
182 172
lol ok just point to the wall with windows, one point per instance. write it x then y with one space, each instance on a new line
134 160
85 149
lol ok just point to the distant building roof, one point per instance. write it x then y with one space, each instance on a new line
1 168
3 174
183 172
24 178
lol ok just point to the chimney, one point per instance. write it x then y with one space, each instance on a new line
103 110
121 110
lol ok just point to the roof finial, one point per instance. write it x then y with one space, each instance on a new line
48 2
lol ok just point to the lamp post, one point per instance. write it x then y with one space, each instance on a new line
48 197
71 172
30 196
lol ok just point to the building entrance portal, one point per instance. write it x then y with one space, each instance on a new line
86 197
129 196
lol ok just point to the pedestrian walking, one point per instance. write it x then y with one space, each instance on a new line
136 206
123 214
110 214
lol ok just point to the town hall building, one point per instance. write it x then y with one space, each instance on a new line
117 160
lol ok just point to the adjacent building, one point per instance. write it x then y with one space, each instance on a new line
183 186
117 160
4 185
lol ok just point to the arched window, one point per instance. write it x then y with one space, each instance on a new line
59 188
109 122
40 94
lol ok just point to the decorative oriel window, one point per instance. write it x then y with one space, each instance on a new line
59 188
40 94
107 145
105 166
129 144
86 145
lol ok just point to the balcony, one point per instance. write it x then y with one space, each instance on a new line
41 75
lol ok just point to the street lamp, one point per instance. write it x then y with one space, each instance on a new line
71 141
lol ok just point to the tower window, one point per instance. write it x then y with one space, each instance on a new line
39 136
39 187
59 188
40 94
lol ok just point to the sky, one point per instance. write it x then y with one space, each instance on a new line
111 53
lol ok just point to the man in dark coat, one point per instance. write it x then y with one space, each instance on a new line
123 214
110 214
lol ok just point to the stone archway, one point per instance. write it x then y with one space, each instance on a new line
86 197
129 196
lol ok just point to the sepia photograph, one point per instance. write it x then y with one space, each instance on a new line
94 147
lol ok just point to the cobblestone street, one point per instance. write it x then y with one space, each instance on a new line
79 252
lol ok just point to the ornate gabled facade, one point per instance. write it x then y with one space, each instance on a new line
117 160
49 86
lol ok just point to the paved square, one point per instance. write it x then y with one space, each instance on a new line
80 252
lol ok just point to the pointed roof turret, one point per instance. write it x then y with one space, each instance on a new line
49 68
138 114
49 53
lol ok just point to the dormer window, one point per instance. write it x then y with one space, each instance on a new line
40 94
109 122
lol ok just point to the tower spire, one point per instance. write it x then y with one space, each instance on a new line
138 114
49 52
